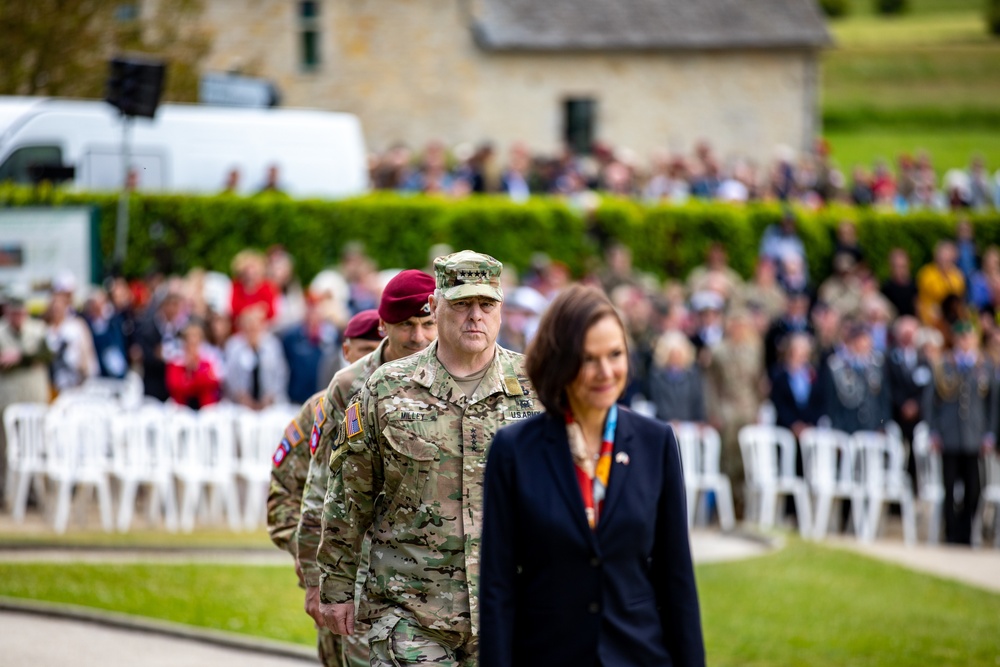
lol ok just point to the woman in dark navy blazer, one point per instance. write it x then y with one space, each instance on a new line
581 566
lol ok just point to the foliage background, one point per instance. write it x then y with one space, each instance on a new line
174 233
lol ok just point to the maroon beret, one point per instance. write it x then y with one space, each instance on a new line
405 296
364 325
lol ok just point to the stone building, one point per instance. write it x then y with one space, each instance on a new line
643 74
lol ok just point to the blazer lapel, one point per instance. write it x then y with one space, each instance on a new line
619 477
560 461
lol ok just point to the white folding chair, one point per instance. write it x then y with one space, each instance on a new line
930 487
766 414
701 450
990 496
259 436
769 454
78 454
884 479
142 458
830 468
24 426
204 450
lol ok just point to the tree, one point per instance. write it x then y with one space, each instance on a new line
62 47
891 7
835 8
993 16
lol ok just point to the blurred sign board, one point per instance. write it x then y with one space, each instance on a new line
231 90
38 244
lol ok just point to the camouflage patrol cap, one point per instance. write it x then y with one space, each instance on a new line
467 273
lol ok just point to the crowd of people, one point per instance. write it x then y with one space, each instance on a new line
711 348
812 179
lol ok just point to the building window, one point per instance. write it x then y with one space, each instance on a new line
127 11
579 124
309 34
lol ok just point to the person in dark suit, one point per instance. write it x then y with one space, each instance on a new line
795 389
675 383
908 373
585 552
960 408
795 319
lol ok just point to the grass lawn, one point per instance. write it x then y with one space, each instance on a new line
927 79
805 605
949 147
817 606
138 539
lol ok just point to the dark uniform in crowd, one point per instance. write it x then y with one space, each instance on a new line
960 408
908 373
855 391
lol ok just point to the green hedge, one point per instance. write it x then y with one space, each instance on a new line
173 233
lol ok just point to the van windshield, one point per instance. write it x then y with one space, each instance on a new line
25 163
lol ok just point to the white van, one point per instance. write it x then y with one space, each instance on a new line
185 148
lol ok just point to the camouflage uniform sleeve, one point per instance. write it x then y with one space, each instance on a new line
317 479
288 473
356 478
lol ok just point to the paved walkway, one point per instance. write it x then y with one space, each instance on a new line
32 640
977 567
85 637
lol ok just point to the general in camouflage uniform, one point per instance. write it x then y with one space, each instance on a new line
404 316
288 477
408 466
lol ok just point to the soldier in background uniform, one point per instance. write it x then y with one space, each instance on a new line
408 465
405 319
855 391
288 476
24 358
734 392
960 408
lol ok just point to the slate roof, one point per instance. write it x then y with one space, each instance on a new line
611 25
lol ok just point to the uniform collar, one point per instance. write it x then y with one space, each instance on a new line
501 377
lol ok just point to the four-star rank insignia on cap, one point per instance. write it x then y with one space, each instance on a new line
352 420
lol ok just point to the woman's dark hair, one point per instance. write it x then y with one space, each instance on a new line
554 357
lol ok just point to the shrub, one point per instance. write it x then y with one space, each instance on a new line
835 8
891 7
174 233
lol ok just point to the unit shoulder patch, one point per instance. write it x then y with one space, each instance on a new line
352 421
281 453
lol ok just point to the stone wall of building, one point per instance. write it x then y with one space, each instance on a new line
412 72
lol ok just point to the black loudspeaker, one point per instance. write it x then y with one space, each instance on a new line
135 85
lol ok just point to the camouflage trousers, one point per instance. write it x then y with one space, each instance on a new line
338 651
399 642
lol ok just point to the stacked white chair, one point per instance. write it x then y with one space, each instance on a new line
259 435
143 458
78 454
882 465
831 469
24 426
930 487
701 450
990 496
769 454
204 451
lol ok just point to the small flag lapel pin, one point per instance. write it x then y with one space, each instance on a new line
621 457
